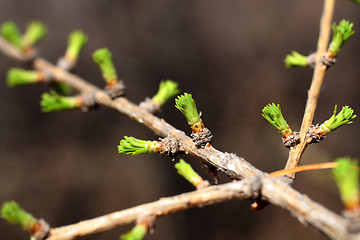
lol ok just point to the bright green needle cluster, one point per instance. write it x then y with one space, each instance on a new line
273 114
337 120
13 213
53 102
10 31
103 59
33 34
185 170
186 104
296 59
167 89
17 76
137 233
346 176
76 42
131 145
341 33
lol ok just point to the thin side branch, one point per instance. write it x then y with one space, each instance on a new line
14 53
302 168
316 84
277 192
232 165
164 206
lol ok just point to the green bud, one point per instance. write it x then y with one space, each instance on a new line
33 34
185 170
10 31
337 120
13 213
295 59
187 106
103 59
346 176
18 76
52 102
137 233
341 33
76 42
273 114
131 145
167 89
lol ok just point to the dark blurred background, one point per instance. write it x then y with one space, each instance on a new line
64 167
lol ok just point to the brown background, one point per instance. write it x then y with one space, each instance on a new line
64 167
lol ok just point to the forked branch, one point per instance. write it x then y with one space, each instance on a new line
255 183
272 190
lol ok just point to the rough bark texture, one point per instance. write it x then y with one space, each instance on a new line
232 52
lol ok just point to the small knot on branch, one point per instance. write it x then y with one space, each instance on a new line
291 140
353 217
312 135
169 147
255 185
260 203
149 105
328 60
116 90
66 64
88 102
200 139
41 231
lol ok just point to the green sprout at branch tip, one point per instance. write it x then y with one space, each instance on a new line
337 120
134 146
10 31
346 176
51 102
296 59
272 113
17 76
13 213
186 104
185 170
76 42
341 33
103 59
35 31
167 89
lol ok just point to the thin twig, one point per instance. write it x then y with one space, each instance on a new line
164 206
308 167
14 53
278 192
316 84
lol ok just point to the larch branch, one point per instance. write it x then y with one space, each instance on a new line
277 192
230 164
271 189
316 84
